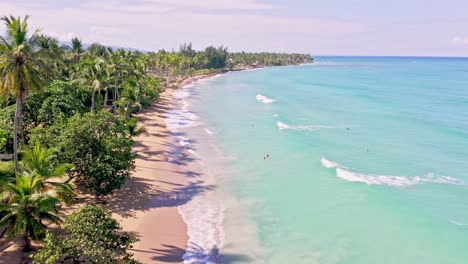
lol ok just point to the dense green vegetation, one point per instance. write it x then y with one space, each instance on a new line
90 235
66 118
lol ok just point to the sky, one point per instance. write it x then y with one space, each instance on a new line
318 27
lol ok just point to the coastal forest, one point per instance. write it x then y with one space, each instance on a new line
67 123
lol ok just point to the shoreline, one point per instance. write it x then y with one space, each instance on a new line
160 184
165 178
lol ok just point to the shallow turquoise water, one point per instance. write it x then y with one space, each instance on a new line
368 160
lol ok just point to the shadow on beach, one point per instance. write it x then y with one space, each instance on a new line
195 254
144 193
129 198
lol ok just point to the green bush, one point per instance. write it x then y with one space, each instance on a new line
96 143
91 236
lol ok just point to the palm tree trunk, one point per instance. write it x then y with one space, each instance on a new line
116 90
3 232
105 98
93 101
27 243
16 125
127 110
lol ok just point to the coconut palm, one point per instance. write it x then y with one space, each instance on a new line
77 49
21 68
26 210
39 161
91 74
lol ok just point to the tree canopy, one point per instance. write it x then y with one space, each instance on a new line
90 235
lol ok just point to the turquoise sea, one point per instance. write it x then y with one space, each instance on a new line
367 162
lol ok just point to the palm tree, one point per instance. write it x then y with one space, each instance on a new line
39 162
27 209
91 70
52 54
77 49
107 74
21 68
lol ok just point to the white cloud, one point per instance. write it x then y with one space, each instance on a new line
459 40
163 24
217 4
62 37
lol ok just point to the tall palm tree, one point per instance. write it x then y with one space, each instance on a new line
27 209
39 162
21 68
52 54
77 49
91 70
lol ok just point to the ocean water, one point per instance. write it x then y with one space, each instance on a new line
357 160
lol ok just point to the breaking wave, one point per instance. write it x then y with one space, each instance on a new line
397 181
264 99
283 126
200 209
329 164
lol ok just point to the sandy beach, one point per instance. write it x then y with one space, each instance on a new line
148 203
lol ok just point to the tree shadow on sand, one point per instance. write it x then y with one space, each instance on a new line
129 199
195 254
144 149
180 195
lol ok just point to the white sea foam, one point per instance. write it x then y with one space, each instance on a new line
399 181
264 99
181 93
275 115
209 132
204 218
283 126
181 117
201 211
457 223
183 141
329 164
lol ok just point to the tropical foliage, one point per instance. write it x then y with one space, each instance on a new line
66 116
22 68
97 145
26 209
91 236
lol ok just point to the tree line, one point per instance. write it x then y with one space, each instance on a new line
66 117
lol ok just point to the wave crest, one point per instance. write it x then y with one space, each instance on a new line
329 164
283 126
264 99
397 181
